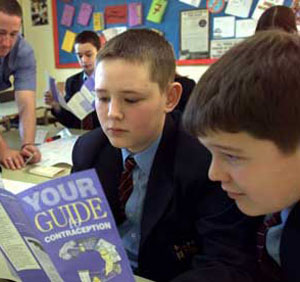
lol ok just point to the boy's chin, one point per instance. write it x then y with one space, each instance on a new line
251 209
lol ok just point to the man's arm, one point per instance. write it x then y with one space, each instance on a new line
26 104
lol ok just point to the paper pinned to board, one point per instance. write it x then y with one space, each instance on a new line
157 10
68 41
98 19
85 13
135 14
68 15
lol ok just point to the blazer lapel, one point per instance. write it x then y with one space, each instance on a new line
160 186
109 168
290 246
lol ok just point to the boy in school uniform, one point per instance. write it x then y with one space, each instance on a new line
176 224
86 46
246 111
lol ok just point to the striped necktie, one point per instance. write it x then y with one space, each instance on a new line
126 185
275 219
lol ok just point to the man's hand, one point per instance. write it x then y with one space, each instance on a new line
12 159
29 150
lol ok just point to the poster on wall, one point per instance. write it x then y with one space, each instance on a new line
39 12
194 34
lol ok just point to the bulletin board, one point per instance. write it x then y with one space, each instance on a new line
170 24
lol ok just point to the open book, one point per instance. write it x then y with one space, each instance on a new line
82 102
61 230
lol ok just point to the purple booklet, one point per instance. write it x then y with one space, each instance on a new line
61 230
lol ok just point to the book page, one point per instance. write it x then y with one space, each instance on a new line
12 244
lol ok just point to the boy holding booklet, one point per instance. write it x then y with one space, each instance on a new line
175 224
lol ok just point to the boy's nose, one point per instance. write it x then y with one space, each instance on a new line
115 110
217 172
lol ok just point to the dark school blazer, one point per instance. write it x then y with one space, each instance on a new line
73 85
289 253
190 229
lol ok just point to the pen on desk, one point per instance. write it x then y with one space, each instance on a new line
29 159
53 138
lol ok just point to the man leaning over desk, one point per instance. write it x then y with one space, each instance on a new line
17 59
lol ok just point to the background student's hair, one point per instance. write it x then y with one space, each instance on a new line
277 17
243 91
11 7
88 36
143 46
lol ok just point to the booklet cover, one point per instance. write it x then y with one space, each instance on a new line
61 230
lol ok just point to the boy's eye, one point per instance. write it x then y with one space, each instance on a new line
231 158
131 101
103 99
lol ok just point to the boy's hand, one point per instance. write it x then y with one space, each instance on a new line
49 100
12 159
31 151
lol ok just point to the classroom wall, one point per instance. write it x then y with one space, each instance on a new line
41 40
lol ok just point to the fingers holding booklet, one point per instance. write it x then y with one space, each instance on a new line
61 230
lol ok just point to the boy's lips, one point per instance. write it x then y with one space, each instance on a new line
233 194
115 130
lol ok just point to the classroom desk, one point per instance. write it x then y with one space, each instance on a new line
9 110
12 137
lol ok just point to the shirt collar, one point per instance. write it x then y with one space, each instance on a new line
145 158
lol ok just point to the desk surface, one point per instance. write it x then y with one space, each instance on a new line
10 108
12 137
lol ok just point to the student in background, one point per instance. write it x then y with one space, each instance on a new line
86 46
277 17
246 111
17 60
187 88
174 222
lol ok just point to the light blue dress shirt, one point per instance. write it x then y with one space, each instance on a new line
20 62
130 230
273 237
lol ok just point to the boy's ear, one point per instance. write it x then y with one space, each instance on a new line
173 96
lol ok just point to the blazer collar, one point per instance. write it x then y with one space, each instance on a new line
160 186
290 245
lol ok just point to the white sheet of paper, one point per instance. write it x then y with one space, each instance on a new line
245 28
239 8
194 3
109 33
224 27
219 47
58 151
262 5
40 135
16 186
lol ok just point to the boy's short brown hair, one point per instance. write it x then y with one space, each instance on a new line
253 88
88 36
11 7
143 46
